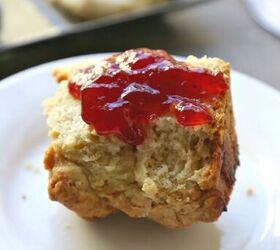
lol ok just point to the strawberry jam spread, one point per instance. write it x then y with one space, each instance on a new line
128 91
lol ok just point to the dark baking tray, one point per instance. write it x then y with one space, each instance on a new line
114 33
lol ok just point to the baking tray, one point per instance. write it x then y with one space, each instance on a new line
68 23
74 38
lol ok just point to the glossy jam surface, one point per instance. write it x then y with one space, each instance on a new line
132 89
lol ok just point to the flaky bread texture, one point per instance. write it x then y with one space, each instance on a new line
178 176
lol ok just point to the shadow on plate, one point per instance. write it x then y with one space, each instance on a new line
121 232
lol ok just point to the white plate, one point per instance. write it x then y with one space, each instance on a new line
28 220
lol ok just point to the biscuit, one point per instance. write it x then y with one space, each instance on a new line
178 176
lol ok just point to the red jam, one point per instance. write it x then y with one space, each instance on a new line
75 90
138 86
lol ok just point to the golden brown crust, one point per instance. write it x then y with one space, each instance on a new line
203 197
49 160
62 74
70 186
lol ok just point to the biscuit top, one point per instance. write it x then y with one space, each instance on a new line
127 92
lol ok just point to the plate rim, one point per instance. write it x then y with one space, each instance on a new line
48 66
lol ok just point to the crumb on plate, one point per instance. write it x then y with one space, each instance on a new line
36 170
30 167
249 191
23 197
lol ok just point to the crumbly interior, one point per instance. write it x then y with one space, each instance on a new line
174 177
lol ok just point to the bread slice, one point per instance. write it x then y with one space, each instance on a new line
178 176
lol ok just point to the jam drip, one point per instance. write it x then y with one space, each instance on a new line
136 87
